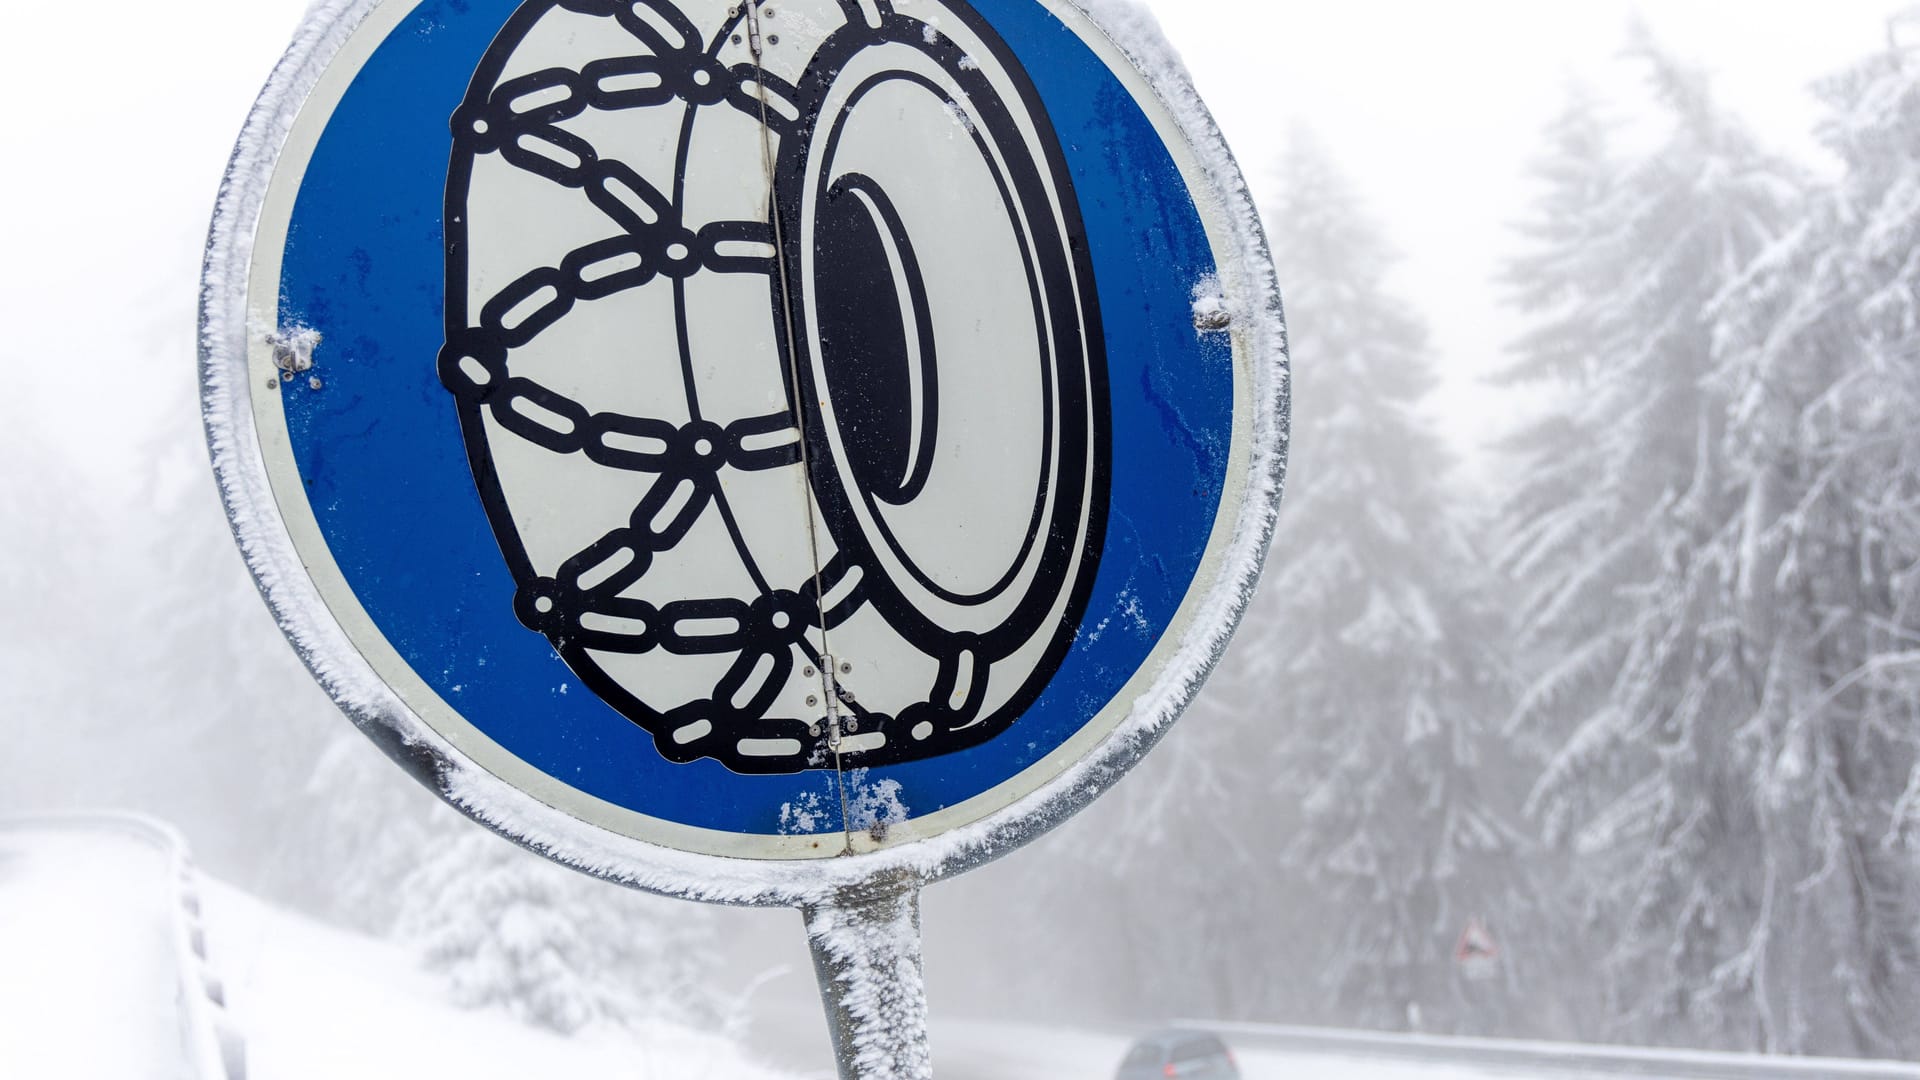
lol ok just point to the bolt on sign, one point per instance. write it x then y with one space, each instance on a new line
780 452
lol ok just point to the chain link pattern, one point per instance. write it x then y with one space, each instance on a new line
583 607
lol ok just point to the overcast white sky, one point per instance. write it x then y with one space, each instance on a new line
121 113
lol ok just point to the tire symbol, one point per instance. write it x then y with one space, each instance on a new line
666 366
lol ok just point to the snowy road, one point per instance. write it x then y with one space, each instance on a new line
1012 1052
89 987
1001 1052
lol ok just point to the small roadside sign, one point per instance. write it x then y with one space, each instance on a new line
1477 954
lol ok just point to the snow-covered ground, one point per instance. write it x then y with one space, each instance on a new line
89 986
90 989
320 1004
87 973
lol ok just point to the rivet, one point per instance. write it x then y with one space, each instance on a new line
853 727
813 701
809 673
273 383
773 39
846 669
315 382
816 731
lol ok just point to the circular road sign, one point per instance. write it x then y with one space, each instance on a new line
707 439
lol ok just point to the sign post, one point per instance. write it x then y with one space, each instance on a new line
776 452
866 952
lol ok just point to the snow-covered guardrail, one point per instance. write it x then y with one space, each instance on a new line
213 1043
1553 1059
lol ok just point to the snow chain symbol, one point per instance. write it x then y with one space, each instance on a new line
640 230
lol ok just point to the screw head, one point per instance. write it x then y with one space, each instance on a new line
1221 319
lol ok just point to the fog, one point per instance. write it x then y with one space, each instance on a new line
1591 624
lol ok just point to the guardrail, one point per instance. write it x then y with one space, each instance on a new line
213 1040
1551 1059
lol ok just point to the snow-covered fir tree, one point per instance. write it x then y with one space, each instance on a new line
1819 374
1687 598
513 932
369 828
1615 597
1873 281
1198 820
1573 254
1370 662
1876 128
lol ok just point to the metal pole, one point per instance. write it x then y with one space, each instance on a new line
866 952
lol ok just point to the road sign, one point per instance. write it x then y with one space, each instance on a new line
1478 953
771 432
780 451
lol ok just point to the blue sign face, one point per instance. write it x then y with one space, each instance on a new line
767 429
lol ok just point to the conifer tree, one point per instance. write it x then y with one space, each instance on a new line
1818 372
1690 596
513 932
1547 507
1368 663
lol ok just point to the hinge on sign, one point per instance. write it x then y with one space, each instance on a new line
753 27
830 687
833 695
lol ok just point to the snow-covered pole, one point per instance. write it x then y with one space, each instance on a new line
866 952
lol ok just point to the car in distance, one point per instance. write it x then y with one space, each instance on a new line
1182 1055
